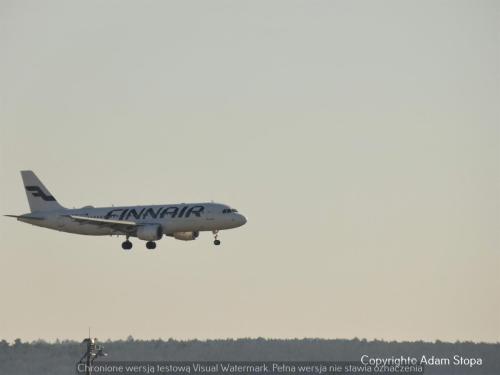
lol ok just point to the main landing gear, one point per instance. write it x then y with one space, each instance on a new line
126 245
216 241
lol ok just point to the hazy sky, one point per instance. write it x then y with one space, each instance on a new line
360 138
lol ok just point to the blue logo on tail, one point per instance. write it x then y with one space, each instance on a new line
36 191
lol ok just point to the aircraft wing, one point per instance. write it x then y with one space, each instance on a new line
122 226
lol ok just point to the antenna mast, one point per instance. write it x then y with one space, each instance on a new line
92 352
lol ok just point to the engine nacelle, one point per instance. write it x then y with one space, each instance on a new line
150 232
186 236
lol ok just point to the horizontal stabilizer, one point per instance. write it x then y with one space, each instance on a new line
26 217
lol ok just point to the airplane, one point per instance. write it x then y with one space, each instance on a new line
182 221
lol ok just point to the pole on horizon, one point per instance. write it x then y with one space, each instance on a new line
92 352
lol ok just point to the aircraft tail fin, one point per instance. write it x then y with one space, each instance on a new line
39 198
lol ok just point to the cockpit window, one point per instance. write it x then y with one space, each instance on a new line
234 210
228 210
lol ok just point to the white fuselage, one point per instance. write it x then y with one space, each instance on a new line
149 223
173 218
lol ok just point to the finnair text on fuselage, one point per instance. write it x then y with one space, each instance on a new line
155 212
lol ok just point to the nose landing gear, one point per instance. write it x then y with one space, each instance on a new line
216 234
151 245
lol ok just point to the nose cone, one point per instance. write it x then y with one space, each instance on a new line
242 220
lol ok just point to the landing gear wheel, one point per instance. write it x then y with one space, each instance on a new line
151 245
126 245
216 234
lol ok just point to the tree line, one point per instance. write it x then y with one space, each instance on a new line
40 357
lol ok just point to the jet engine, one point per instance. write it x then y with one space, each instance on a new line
186 236
150 232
